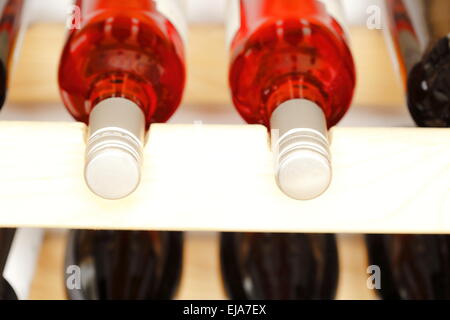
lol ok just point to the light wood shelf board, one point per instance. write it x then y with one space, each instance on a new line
220 178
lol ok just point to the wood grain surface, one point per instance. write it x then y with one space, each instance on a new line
221 178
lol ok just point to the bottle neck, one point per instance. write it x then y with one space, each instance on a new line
299 115
117 114
126 86
301 149
293 89
114 149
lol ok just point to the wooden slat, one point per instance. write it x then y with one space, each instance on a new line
48 282
208 177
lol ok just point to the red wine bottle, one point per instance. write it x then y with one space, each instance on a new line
124 265
121 71
269 266
6 239
291 70
414 267
11 13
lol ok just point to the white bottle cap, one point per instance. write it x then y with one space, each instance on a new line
303 167
114 148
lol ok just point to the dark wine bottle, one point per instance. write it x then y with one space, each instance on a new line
6 291
418 31
125 265
429 87
413 267
377 255
269 266
11 12
6 239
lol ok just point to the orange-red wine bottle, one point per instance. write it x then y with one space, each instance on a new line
120 71
291 70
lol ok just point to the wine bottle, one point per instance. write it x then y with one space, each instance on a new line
416 266
121 71
429 87
19 251
123 265
11 13
291 70
401 38
418 34
10 17
6 238
268 266
378 256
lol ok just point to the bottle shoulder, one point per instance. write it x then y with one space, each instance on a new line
140 29
293 59
274 37
136 56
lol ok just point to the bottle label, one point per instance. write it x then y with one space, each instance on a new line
22 258
233 17
175 12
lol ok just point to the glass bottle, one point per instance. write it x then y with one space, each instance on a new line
11 14
270 266
123 265
122 70
291 70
